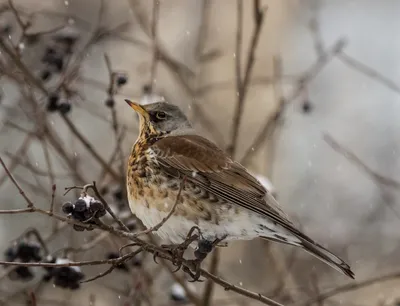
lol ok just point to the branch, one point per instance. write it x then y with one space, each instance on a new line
306 78
351 287
258 19
242 291
359 163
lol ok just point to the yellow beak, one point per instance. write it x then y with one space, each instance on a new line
137 108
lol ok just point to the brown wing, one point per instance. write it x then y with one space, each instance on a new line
206 165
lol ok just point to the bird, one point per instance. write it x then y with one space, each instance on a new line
218 195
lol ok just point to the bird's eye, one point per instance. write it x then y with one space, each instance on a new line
161 115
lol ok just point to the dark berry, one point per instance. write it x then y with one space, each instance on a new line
131 224
10 254
45 75
52 102
122 266
47 277
110 102
147 89
64 107
31 39
58 63
6 29
80 206
97 208
118 194
54 60
67 208
80 215
307 106
28 251
50 51
22 273
136 262
122 79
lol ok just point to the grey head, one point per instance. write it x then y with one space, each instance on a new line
162 118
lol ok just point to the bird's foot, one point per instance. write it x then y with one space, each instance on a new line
193 268
177 250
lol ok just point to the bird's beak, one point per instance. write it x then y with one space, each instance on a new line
137 108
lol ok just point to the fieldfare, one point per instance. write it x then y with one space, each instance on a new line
219 196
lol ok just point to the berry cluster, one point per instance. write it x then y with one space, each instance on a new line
56 53
85 209
64 277
24 251
119 79
56 103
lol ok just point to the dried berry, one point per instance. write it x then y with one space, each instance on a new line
10 254
5 29
54 60
67 277
64 107
110 102
21 273
50 51
136 262
122 79
307 106
113 255
80 206
45 75
53 102
28 251
31 39
67 208
147 89
118 194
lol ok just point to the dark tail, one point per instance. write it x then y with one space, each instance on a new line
318 251
326 256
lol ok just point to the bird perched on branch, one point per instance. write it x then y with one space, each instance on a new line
218 195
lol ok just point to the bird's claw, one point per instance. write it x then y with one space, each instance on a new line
193 269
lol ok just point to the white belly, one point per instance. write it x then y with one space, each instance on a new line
233 226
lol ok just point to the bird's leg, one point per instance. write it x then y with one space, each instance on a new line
204 248
177 250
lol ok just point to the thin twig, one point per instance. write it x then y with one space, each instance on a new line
258 19
28 201
351 287
154 23
242 291
359 163
209 289
305 79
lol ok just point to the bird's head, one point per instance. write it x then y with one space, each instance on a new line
160 118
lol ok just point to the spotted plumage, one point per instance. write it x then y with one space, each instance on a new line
218 195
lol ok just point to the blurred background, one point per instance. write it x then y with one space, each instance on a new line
305 94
